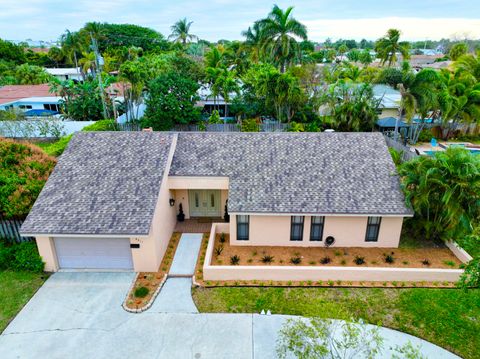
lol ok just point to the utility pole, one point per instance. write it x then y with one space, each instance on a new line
99 63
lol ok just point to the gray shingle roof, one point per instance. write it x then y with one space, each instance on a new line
330 173
104 183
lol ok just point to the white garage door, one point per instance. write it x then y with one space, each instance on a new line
93 253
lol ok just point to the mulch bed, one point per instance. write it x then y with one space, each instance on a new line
152 280
321 256
434 255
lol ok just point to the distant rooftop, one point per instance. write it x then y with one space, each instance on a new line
11 93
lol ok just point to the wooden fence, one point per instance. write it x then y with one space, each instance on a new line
10 230
230 127
407 153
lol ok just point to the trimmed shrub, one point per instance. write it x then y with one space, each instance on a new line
21 257
141 292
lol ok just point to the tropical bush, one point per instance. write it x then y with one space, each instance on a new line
444 192
20 257
250 125
24 170
171 101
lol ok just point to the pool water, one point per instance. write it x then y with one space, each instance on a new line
432 153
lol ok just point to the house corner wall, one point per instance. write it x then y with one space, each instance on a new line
46 249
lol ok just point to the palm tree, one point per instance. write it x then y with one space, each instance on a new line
444 192
253 41
468 66
388 46
280 32
72 46
418 95
459 101
226 83
180 32
88 62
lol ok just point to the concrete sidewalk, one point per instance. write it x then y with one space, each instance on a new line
186 255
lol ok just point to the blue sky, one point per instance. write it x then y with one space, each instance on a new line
225 19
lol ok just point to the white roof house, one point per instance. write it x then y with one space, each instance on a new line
68 73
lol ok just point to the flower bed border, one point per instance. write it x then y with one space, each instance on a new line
296 274
175 239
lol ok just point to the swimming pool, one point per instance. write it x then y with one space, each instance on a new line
472 151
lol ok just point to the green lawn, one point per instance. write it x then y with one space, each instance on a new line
449 318
16 289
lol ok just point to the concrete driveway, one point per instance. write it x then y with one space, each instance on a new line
79 315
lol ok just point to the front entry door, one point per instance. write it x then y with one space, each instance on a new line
204 203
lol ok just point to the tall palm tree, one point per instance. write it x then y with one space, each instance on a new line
280 32
459 101
72 46
418 95
181 32
468 66
88 63
253 41
388 46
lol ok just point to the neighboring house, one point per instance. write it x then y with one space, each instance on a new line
391 98
388 124
112 200
28 97
62 74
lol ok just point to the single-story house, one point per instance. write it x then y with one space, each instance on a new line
113 198
66 73
390 100
28 97
387 124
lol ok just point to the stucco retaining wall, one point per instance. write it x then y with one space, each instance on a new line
459 252
315 273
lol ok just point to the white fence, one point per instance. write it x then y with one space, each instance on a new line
230 127
41 128
407 153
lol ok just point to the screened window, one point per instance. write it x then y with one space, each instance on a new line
316 228
196 200
212 200
242 228
373 228
296 231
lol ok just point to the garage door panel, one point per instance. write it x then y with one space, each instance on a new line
93 253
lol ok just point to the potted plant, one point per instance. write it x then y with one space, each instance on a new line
226 216
180 215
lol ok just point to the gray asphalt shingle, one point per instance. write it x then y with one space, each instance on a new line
108 182
104 183
329 173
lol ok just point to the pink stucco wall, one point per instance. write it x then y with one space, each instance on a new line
348 231
316 273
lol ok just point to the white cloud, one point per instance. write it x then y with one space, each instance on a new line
412 28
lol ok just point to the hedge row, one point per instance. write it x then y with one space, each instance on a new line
20 257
